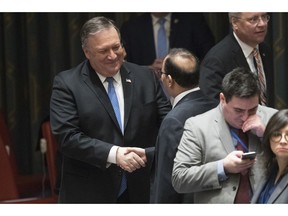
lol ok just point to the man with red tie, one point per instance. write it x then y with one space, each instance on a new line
209 162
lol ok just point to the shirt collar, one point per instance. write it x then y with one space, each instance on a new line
155 19
117 77
183 94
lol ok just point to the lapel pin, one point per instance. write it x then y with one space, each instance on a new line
128 80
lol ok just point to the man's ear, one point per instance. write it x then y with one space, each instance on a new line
222 97
234 23
170 81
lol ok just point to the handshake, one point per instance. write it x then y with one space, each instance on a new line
131 158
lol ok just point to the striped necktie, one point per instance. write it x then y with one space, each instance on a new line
261 76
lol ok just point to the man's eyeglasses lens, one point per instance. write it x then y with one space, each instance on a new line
256 19
160 73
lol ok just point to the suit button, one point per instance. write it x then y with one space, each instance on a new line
234 188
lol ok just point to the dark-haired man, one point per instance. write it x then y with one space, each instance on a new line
209 160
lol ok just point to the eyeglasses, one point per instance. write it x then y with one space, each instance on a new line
160 73
277 136
256 19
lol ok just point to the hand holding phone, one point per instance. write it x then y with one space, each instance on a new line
249 155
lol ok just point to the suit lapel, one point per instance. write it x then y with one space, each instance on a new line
259 188
190 96
262 52
222 129
279 189
127 83
238 56
91 79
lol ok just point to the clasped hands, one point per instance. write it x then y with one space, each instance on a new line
131 158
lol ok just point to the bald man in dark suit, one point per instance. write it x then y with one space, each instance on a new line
180 77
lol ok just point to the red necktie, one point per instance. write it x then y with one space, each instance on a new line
244 190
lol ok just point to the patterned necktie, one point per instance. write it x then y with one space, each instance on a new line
162 49
244 190
261 76
114 100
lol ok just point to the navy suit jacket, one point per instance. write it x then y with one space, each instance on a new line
226 56
187 30
86 128
169 137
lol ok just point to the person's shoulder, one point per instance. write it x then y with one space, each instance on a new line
202 118
73 75
131 65
140 70
265 113
72 71
225 43
223 48
266 109
198 100
192 108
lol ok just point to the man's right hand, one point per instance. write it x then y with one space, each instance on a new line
130 158
234 164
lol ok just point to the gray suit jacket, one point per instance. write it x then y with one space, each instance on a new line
205 141
279 195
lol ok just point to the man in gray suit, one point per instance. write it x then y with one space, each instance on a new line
207 162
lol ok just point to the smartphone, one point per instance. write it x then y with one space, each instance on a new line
249 155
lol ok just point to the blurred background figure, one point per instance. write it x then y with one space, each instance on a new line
243 47
143 36
274 187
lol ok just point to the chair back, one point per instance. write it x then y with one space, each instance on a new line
51 155
8 188
6 139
